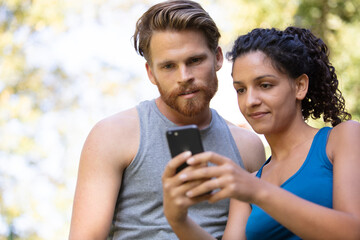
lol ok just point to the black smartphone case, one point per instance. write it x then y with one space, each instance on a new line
184 138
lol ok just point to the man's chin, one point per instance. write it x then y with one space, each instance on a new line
191 110
187 107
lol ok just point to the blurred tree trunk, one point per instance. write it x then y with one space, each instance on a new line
322 27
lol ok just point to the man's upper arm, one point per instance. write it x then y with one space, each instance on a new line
239 213
106 153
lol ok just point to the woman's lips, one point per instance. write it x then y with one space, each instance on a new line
257 115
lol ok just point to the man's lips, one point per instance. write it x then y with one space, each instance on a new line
189 93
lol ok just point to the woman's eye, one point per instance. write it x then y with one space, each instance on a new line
240 90
266 85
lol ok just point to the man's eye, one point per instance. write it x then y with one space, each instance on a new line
168 66
195 60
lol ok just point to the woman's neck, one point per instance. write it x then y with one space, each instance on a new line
283 143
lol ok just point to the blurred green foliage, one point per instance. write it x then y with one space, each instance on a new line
28 91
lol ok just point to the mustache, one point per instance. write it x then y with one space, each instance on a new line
182 90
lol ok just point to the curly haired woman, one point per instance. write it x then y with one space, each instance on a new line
310 186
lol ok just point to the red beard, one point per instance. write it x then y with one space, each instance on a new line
189 107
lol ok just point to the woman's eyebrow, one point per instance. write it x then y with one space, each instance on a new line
257 78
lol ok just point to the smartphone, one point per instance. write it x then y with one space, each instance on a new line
184 138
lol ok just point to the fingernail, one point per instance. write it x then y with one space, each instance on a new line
189 194
187 154
190 160
182 176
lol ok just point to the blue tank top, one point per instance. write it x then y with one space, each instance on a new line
313 182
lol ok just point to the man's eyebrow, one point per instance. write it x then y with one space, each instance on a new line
165 62
199 55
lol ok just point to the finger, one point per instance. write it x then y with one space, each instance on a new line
219 195
205 187
176 187
200 173
179 189
173 164
222 193
201 198
206 157
186 202
198 198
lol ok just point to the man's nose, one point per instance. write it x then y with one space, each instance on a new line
185 74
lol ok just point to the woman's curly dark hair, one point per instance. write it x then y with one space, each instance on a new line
296 51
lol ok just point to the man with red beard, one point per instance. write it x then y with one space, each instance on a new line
119 189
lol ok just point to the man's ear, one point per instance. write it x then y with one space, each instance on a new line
150 73
302 86
219 58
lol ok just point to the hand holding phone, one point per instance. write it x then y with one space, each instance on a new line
184 138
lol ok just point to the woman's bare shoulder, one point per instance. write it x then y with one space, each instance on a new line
343 138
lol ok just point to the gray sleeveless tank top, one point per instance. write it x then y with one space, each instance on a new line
139 212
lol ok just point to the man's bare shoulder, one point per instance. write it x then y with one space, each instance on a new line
250 146
241 133
116 137
120 121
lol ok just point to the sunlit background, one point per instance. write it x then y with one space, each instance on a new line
66 64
